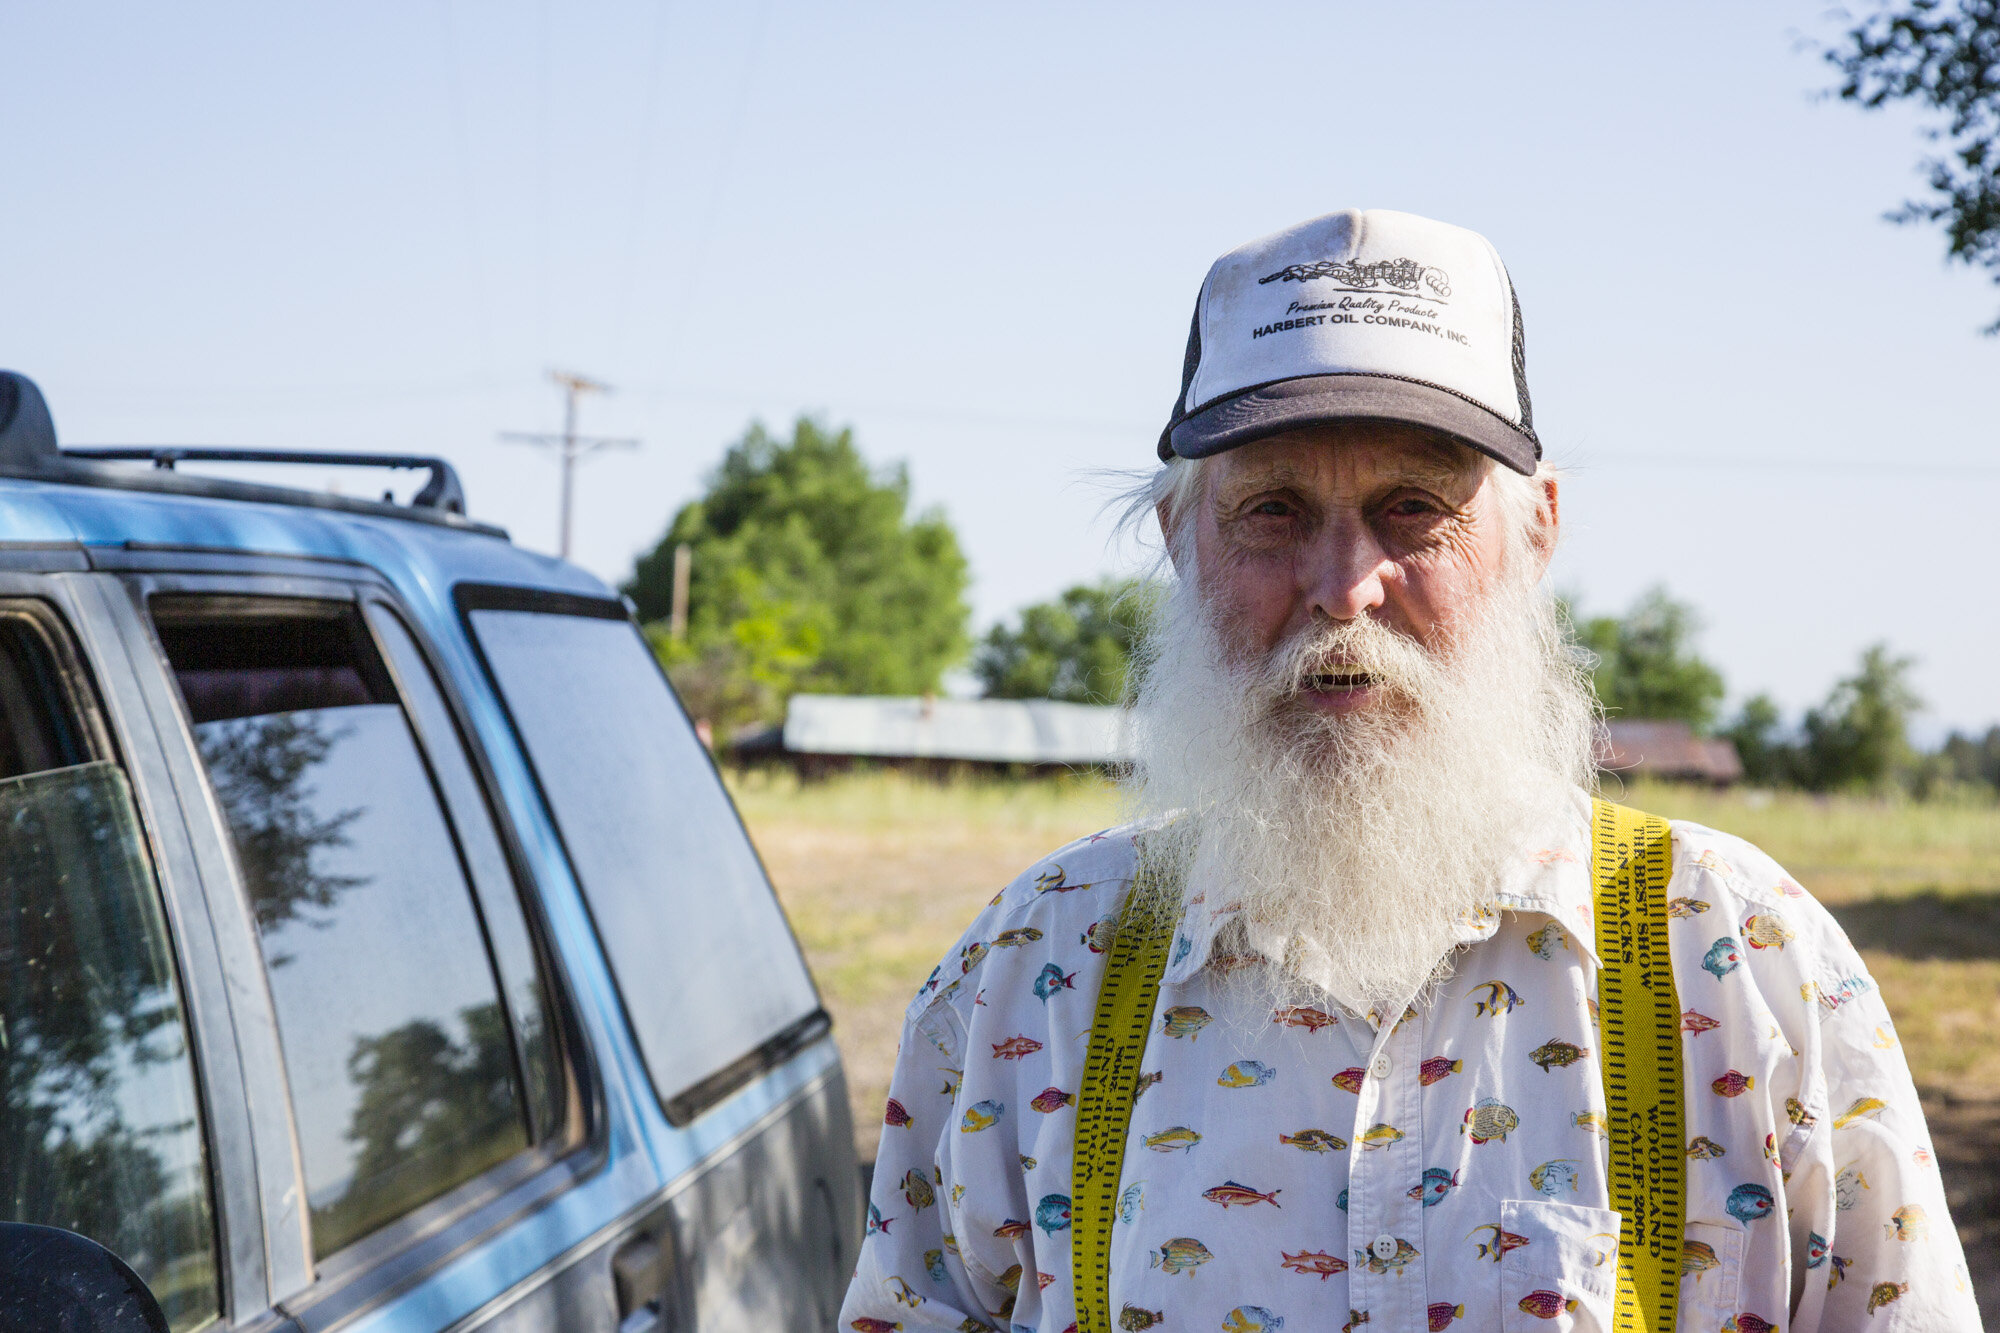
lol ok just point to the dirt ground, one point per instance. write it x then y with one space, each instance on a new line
880 875
1966 1133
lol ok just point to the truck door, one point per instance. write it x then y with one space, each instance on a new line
122 1111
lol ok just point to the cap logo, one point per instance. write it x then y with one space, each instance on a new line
1404 275
1394 317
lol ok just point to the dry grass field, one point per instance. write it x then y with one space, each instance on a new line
880 873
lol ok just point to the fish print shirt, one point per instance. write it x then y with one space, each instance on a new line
1443 1168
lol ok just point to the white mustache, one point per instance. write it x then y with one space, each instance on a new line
1359 647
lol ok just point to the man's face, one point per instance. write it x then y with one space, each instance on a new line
1330 524
1359 698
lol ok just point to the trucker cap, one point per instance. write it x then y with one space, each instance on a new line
1362 314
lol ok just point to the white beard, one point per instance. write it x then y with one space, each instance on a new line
1358 845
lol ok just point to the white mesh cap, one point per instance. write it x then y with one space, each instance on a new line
1357 315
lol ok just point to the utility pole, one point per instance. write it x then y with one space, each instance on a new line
569 446
677 616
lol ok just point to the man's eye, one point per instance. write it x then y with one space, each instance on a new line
1412 508
1275 508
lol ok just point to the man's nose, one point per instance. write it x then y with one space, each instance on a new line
1343 569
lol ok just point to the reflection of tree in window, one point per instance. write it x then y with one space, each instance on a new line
403 1074
260 767
403 1070
429 1109
97 1121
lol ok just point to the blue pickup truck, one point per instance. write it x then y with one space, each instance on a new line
379 949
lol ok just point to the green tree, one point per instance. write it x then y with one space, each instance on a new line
1077 648
1646 663
809 573
1943 55
1972 759
1757 733
1859 738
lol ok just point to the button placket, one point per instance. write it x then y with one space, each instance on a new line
1407 1045
1381 1216
1366 1207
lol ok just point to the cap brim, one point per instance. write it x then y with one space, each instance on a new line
1315 400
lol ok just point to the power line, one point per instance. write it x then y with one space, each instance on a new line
542 190
1873 467
642 178
569 446
725 168
475 253
278 396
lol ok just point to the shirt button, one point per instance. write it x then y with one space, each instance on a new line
1381 1067
1384 1247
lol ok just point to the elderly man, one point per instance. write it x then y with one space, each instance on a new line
1357 1078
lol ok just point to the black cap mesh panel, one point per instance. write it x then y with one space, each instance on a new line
1521 363
1191 362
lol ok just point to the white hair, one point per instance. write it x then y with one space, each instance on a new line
1356 846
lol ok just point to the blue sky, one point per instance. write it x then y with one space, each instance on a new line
975 235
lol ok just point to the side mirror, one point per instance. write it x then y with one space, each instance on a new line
54 1281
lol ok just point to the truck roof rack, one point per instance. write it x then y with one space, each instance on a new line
28 450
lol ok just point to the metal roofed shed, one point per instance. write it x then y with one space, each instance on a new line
1037 732
826 731
1670 751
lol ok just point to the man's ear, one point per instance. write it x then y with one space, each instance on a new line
1548 521
1166 517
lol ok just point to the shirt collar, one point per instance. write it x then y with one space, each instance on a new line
1551 877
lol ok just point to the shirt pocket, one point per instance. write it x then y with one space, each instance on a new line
1562 1269
1711 1276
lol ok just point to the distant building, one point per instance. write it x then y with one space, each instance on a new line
827 731
1670 751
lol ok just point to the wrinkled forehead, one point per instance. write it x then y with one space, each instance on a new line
1356 456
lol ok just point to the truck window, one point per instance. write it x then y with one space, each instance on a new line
100 1132
521 979
398 1048
704 959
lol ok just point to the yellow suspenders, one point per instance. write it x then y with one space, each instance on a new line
1639 1023
1110 1082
